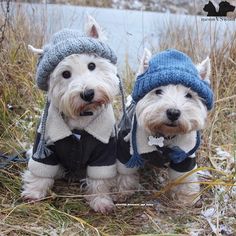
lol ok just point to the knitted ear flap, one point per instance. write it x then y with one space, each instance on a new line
42 151
126 121
125 125
136 160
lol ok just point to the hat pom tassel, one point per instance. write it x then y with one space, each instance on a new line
177 155
42 151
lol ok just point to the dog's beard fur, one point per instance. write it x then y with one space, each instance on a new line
72 105
65 93
151 111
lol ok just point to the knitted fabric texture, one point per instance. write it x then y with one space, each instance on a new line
172 67
63 44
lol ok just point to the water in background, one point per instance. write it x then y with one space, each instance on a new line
128 31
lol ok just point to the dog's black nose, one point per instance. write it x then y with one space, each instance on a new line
87 95
173 114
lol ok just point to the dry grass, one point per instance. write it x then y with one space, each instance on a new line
65 212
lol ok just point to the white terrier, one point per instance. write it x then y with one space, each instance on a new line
76 132
171 98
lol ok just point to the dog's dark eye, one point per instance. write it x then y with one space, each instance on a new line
158 91
66 74
91 66
188 95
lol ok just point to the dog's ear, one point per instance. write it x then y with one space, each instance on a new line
93 29
37 51
204 69
144 62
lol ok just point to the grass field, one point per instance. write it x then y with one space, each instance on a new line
64 211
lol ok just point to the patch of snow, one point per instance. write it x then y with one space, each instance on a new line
209 213
224 160
233 114
226 230
221 153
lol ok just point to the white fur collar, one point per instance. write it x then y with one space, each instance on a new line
102 127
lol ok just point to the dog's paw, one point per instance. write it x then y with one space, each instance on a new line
33 195
185 193
34 187
102 204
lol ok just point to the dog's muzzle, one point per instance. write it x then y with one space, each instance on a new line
87 95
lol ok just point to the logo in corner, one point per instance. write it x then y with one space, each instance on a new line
224 8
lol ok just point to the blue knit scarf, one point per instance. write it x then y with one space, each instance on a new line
175 154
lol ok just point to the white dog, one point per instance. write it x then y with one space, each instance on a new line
171 98
76 132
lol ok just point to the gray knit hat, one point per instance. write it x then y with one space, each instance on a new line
63 44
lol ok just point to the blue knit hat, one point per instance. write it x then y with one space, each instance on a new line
63 44
172 67
168 67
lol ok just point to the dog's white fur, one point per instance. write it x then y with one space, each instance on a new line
187 192
35 187
99 194
93 29
151 111
64 94
152 118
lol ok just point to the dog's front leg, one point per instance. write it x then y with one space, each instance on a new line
38 179
127 181
187 191
100 181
